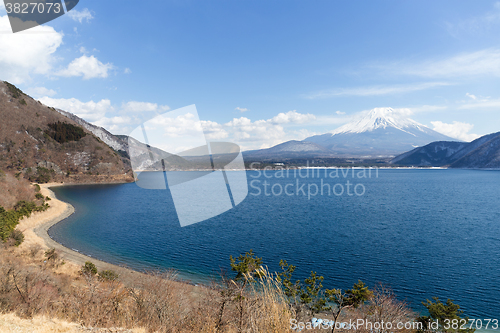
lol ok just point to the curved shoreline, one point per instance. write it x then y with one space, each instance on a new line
36 229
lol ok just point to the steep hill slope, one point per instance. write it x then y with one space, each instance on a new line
482 153
486 156
140 152
40 144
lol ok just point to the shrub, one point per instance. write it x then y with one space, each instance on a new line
10 218
15 92
22 102
43 175
64 132
17 236
108 275
89 269
39 196
51 255
37 188
442 313
25 208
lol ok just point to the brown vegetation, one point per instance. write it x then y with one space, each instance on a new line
14 190
40 144
32 285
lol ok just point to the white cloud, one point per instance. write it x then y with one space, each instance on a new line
213 130
375 90
484 103
2 8
116 124
242 131
479 63
127 71
457 130
134 106
40 91
339 113
292 117
87 67
90 111
267 133
79 16
241 109
471 96
28 52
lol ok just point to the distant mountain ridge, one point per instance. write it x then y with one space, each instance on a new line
482 153
380 132
291 149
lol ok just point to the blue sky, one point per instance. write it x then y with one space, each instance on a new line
264 72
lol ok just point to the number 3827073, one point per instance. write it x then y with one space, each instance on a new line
33 8
471 323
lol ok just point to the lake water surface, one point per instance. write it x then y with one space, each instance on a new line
422 232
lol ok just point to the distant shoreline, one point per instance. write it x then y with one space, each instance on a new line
310 167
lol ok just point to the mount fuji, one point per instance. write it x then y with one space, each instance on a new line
379 132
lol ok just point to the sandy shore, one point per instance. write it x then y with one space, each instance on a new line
35 233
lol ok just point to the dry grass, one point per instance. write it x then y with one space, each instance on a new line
14 190
42 324
34 289
32 286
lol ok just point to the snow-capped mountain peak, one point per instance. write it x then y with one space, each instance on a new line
378 118
381 131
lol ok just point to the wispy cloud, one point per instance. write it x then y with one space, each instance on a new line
482 104
375 90
241 109
480 63
80 16
40 91
475 24
135 106
471 96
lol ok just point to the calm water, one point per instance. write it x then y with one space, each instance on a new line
423 232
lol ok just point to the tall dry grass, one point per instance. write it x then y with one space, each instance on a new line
31 285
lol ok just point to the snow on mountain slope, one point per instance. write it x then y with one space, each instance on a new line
381 131
381 118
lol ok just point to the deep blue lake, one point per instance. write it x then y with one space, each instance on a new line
424 233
